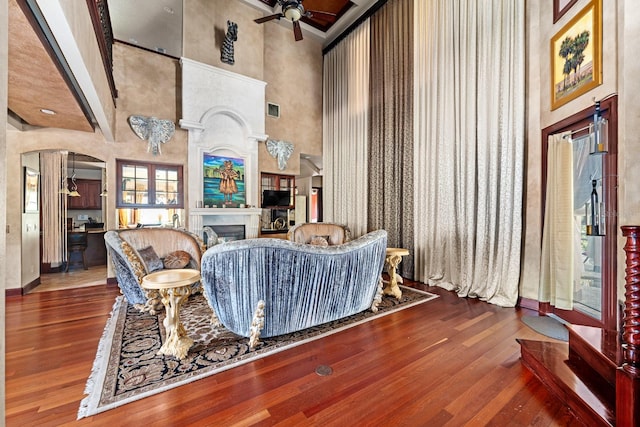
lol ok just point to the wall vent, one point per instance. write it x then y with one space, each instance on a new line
273 110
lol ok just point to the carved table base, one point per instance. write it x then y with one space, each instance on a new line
174 287
393 258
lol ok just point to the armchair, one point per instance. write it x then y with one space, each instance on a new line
334 234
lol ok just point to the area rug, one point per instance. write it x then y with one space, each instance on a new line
126 367
547 326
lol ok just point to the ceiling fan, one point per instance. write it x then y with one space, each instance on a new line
293 10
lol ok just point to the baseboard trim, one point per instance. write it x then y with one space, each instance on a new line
30 286
14 292
531 304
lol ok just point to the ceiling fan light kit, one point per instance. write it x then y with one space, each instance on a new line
293 11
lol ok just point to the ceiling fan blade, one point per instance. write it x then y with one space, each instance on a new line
268 18
297 31
321 15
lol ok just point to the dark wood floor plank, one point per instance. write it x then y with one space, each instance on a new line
451 361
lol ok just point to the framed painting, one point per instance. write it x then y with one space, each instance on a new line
224 181
576 56
560 7
31 191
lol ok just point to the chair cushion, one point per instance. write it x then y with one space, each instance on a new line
319 241
150 259
177 259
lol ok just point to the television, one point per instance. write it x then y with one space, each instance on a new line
276 198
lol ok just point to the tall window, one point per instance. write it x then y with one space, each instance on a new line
149 185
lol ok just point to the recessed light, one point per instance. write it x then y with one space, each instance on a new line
168 10
47 111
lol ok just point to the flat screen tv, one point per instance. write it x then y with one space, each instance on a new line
276 198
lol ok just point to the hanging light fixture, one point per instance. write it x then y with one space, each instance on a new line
74 186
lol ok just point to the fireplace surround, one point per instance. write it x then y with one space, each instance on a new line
224 114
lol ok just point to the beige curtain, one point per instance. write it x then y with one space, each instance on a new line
391 127
53 172
557 262
345 131
469 145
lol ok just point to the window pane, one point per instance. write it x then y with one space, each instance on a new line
142 198
142 185
172 198
141 172
161 174
172 186
161 186
128 196
172 175
129 171
161 198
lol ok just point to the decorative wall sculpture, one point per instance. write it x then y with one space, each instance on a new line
226 53
280 150
153 130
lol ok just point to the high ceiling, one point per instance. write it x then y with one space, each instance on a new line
38 85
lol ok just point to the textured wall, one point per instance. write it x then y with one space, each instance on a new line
620 66
204 27
293 71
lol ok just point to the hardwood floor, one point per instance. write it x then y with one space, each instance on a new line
451 361
74 278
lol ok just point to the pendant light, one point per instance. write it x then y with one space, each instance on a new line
74 186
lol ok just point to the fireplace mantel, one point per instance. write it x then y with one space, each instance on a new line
249 217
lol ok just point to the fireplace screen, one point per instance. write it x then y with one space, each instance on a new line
224 181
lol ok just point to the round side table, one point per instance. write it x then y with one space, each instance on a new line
174 286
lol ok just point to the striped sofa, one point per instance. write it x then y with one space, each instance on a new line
270 287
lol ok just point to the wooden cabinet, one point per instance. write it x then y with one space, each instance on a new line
89 199
277 196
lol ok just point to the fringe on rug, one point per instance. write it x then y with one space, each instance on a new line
98 371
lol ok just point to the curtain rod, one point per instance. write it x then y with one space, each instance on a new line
573 132
373 9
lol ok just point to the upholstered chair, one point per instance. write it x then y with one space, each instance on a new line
138 252
319 233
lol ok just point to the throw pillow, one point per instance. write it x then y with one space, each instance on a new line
150 259
177 259
319 241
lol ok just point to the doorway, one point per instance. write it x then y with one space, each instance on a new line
595 204
89 181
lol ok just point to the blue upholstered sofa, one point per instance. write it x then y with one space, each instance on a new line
269 287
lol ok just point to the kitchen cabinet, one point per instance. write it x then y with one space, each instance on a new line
90 198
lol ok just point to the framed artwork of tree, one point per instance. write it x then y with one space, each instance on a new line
576 55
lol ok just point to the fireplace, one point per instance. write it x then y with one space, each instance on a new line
228 233
224 114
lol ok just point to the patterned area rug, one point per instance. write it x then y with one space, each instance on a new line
127 368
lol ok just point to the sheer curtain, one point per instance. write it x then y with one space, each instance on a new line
345 131
469 145
53 171
557 261
391 127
